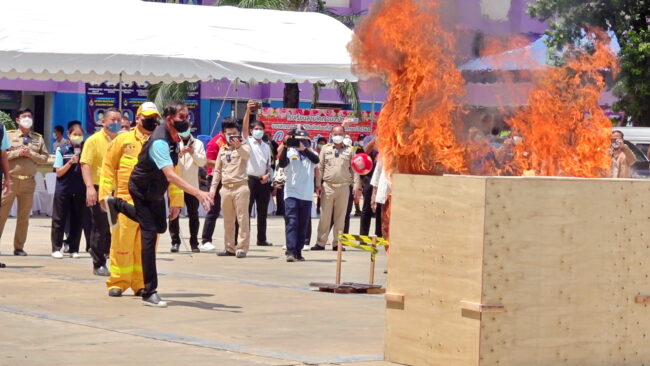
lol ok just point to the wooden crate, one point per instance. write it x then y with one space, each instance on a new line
518 271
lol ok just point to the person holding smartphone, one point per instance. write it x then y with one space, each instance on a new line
230 171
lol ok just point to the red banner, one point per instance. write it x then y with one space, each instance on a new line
317 122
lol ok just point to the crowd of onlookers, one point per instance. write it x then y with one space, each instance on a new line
247 173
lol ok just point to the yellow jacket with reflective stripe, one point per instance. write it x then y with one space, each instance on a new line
119 161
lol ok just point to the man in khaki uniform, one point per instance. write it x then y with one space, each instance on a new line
26 152
333 180
230 170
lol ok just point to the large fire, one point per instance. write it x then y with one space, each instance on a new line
562 132
403 40
565 132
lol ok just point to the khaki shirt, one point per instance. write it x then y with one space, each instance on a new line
335 166
230 167
22 165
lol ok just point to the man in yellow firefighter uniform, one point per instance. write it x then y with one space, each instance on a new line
119 161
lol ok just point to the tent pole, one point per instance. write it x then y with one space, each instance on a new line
119 98
236 97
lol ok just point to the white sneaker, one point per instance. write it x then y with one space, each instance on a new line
284 247
57 254
208 246
75 255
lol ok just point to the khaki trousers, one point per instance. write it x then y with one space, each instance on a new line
234 206
333 203
23 190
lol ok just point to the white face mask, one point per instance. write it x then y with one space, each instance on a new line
338 139
347 141
26 122
258 134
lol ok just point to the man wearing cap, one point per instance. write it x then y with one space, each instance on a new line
26 152
119 161
91 164
333 180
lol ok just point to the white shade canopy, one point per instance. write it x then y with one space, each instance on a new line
95 41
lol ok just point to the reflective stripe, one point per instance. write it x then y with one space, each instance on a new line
128 160
175 190
125 270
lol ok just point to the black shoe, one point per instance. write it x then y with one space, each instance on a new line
101 271
264 244
115 292
20 252
154 300
300 259
336 248
317 247
66 248
225 253
2 265
290 258
112 210
175 248
196 250
139 292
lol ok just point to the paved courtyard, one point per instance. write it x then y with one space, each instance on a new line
222 311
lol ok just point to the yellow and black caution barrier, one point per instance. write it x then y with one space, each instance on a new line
367 243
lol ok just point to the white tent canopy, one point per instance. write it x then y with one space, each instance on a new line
95 41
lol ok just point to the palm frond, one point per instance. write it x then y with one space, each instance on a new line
349 92
259 4
315 93
163 93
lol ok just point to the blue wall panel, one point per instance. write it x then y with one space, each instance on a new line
68 107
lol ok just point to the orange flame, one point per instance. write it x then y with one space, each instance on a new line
565 132
404 41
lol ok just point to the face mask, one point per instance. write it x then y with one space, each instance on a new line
26 122
76 140
347 141
150 124
258 134
185 134
181 126
320 146
338 139
114 127
54 136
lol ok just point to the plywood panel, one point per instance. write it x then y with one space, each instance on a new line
435 262
566 257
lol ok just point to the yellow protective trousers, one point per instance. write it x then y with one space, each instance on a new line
126 256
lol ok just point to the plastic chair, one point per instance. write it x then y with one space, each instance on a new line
42 202
204 139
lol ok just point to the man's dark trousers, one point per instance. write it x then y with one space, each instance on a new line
100 243
192 204
211 217
297 215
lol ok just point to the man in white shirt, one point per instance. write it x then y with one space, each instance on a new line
259 173
191 157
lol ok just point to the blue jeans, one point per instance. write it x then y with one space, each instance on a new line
297 215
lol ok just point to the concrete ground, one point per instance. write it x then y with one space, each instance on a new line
222 311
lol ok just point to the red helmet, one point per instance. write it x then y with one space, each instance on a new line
362 164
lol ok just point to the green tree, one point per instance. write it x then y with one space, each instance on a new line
5 119
162 93
629 20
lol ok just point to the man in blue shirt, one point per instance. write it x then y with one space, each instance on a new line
299 162
152 176
4 161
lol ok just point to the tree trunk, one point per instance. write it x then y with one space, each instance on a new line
291 95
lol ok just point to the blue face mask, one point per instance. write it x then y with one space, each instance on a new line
114 127
187 133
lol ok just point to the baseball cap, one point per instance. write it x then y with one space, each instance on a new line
148 109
